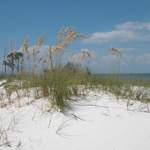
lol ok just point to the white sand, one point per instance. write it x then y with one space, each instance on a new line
98 122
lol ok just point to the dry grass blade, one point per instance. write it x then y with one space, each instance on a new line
40 41
10 45
25 45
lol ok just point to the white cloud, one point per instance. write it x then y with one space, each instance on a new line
125 64
144 58
84 49
134 25
123 33
126 57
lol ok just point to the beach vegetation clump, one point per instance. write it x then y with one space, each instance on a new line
50 78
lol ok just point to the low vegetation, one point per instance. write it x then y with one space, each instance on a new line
59 83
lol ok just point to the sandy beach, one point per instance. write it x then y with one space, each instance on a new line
97 122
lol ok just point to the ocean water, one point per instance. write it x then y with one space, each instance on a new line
136 76
130 76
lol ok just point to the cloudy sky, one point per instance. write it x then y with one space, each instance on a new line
121 23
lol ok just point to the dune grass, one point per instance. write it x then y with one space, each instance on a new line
59 83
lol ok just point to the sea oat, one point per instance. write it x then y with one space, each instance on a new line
35 64
25 45
22 60
119 54
71 54
10 45
75 37
82 57
74 58
44 61
60 35
113 50
67 36
36 52
28 57
40 59
14 53
40 41
56 48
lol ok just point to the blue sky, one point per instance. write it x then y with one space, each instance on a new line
124 23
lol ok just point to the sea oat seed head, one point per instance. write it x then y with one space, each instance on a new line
82 57
35 65
74 58
28 57
44 61
10 45
71 54
36 52
119 54
22 60
14 53
40 59
25 45
40 41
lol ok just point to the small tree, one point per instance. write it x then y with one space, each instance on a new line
10 62
18 56
12 59
75 67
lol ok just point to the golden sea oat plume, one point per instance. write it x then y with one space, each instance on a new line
10 45
14 53
40 59
68 31
67 36
25 45
82 57
119 54
75 37
22 60
44 61
85 55
74 58
35 65
113 50
40 41
60 35
72 55
54 49
28 57
35 53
